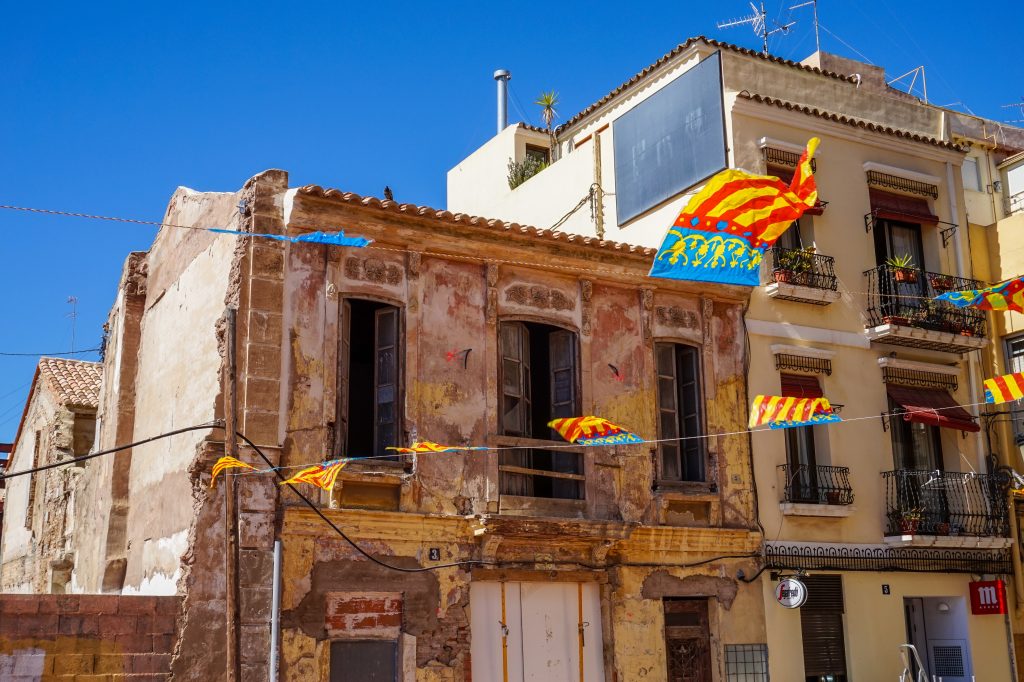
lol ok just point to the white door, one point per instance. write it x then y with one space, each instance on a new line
545 627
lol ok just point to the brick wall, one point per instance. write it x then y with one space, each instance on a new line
364 614
87 638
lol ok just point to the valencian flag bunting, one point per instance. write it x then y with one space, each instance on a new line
722 233
322 475
1008 295
330 238
227 463
1004 388
779 412
426 446
592 431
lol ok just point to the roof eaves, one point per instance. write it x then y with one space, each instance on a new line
491 224
678 49
849 120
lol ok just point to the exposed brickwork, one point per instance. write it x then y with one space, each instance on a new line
86 637
364 613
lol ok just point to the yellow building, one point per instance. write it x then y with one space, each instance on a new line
893 516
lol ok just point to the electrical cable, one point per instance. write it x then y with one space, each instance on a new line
67 352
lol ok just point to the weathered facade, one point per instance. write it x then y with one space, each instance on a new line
59 421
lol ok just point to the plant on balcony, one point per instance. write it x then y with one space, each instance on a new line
521 171
834 497
942 283
910 519
903 270
794 266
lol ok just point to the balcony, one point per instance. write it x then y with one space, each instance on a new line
816 490
801 275
901 311
945 509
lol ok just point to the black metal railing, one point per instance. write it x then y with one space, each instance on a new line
944 503
905 297
803 267
816 484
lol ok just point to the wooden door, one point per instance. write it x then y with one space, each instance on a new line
687 640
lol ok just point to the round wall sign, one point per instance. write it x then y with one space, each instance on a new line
791 593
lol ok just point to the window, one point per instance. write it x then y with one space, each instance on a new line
539 379
369 381
821 625
1015 363
670 141
746 662
687 639
84 433
364 661
971 174
540 154
680 414
915 445
802 478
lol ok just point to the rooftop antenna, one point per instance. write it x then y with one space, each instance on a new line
1020 107
73 300
919 71
813 4
757 22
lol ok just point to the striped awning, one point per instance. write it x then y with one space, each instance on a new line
932 406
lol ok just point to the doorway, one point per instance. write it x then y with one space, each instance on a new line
687 640
937 627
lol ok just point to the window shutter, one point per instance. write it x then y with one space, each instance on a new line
801 386
515 379
668 415
344 356
821 625
691 421
562 354
385 380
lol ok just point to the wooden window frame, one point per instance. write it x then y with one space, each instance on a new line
661 481
343 382
523 435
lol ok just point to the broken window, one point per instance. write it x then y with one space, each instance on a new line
539 379
83 435
369 379
680 414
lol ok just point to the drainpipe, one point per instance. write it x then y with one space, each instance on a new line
275 611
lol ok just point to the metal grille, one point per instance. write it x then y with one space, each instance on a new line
839 558
884 180
948 661
802 364
746 662
816 484
945 503
782 157
802 267
914 377
905 297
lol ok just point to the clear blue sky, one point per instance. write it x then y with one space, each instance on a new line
107 108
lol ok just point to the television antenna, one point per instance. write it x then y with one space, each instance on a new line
1019 106
919 71
73 300
814 4
758 22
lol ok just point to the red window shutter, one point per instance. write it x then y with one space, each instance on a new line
800 386
899 207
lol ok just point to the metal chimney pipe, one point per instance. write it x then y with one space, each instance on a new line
502 76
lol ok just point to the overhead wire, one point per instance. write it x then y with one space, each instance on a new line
61 353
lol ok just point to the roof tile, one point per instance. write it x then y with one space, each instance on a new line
76 382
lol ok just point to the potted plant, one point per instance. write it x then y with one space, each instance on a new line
942 528
942 283
910 519
833 496
903 270
794 265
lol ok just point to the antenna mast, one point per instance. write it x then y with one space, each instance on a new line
813 4
757 22
919 71
73 300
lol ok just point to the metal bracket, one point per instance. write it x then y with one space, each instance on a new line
869 221
885 421
947 233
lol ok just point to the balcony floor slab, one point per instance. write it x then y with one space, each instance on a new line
927 339
797 293
948 541
820 510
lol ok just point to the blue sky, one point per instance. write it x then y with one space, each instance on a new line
107 107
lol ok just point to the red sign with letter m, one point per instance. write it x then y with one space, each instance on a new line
988 597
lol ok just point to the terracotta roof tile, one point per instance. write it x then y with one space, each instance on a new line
491 224
850 121
75 382
685 46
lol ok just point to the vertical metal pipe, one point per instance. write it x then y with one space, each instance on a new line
230 515
503 77
275 611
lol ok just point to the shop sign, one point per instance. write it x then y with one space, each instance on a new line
791 593
988 597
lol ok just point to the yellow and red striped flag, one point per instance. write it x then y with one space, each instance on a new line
427 446
1003 389
321 475
227 463
592 431
782 412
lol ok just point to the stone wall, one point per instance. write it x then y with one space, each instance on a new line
100 638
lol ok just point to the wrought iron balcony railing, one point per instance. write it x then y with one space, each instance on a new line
802 267
904 297
816 484
944 503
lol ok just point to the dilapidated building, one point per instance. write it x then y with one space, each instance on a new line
530 557
59 422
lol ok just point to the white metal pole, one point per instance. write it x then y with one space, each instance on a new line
275 611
